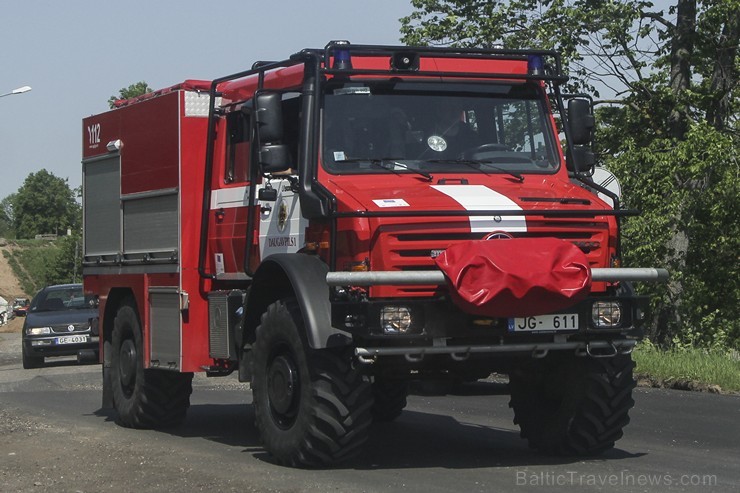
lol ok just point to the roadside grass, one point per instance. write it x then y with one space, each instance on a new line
688 368
31 261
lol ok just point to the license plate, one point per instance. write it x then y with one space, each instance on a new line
560 322
71 339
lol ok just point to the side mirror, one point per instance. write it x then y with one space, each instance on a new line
269 117
274 158
581 121
582 159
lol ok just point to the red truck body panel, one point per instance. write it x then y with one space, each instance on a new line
162 151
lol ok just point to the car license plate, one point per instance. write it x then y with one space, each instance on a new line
72 339
559 322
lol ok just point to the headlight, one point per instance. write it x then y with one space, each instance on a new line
37 331
395 319
606 314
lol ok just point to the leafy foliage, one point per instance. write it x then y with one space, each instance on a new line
6 217
45 205
30 262
701 199
39 263
586 33
67 265
137 89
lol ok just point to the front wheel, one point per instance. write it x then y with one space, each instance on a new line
143 398
389 398
30 361
312 408
568 405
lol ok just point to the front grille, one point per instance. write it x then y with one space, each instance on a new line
64 329
404 250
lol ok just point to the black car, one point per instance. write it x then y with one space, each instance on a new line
59 322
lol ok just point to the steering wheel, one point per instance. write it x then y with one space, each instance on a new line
468 153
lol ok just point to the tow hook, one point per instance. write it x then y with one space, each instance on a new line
602 352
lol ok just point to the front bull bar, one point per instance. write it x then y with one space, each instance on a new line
436 277
537 350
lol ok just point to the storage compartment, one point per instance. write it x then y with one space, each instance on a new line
224 313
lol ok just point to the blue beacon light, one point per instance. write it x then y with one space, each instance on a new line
535 65
342 59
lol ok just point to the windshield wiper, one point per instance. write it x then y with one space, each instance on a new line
383 163
470 162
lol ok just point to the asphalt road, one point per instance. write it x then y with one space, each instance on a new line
54 437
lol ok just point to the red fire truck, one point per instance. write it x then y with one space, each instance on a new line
340 223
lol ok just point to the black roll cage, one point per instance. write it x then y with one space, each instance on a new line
319 203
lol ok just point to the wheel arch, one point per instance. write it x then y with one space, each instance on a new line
304 277
115 299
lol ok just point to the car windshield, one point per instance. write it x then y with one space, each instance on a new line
60 299
411 127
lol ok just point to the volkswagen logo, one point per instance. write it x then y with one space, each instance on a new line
71 328
498 235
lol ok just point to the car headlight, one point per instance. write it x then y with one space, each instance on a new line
37 331
606 314
395 319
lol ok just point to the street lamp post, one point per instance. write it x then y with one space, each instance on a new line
20 90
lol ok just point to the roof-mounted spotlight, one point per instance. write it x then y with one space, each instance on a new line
405 61
114 145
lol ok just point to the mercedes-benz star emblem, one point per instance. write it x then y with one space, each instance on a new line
498 235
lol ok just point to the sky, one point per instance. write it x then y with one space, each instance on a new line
75 54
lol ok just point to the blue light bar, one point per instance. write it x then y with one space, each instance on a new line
535 65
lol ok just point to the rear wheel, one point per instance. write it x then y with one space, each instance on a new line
573 405
312 408
143 398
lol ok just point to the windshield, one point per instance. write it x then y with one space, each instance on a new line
405 127
60 299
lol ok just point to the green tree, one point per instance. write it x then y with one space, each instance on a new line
66 266
131 91
6 217
45 204
669 130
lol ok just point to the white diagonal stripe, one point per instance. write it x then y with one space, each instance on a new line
480 197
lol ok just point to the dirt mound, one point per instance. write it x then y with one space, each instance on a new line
14 325
10 288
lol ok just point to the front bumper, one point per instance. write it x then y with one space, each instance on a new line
60 345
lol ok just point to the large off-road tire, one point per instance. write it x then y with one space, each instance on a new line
312 407
30 361
389 399
568 405
143 398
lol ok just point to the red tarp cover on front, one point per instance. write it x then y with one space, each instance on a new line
515 278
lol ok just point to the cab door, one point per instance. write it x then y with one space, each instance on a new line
230 200
282 227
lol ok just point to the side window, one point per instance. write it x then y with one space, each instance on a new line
237 147
292 122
